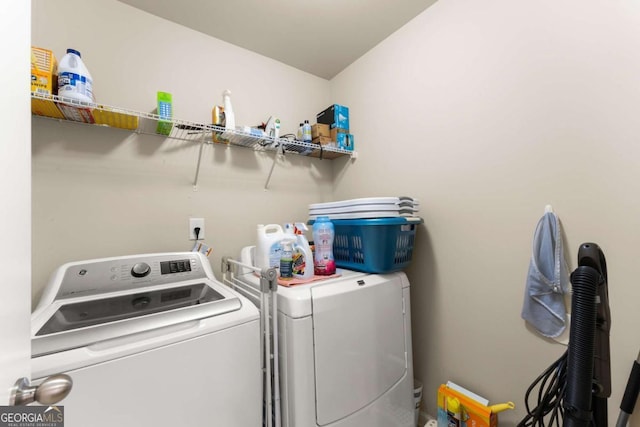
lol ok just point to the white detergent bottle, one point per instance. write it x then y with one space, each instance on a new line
268 245
302 256
74 79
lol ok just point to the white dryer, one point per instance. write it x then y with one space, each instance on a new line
344 349
149 340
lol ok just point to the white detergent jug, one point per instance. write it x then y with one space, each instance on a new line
268 245
74 79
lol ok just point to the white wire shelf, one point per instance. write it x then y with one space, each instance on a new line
66 109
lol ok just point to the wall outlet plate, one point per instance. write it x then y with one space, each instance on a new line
193 223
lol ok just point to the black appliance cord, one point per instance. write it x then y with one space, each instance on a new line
551 387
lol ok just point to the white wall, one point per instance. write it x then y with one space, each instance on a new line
15 185
104 192
488 111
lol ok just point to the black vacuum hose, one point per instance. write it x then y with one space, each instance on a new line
578 394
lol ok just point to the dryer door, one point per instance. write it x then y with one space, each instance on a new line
360 350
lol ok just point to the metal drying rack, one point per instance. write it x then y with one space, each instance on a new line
265 298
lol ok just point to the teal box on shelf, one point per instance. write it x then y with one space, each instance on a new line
345 141
336 116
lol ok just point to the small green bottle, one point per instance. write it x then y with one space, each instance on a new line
286 260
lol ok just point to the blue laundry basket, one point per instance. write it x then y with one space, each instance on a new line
380 245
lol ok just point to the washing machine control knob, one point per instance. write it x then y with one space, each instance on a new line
140 269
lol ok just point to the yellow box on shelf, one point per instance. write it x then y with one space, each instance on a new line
115 119
44 69
45 107
56 108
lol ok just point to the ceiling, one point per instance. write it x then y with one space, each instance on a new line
321 37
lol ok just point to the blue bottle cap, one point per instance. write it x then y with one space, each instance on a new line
75 52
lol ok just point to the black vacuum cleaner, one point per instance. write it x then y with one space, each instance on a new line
588 381
575 388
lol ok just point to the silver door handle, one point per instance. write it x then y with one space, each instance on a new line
51 391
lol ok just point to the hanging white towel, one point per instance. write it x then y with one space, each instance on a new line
547 279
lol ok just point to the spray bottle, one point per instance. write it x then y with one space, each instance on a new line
229 117
302 255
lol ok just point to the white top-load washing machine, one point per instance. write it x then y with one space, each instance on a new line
149 340
344 350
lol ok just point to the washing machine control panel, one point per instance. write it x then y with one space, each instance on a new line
176 266
123 273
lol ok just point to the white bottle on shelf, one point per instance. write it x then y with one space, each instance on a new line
74 79
306 132
300 132
229 117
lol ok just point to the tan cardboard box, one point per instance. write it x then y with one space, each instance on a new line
322 140
320 129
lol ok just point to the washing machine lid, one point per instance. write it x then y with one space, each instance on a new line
90 301
360 351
